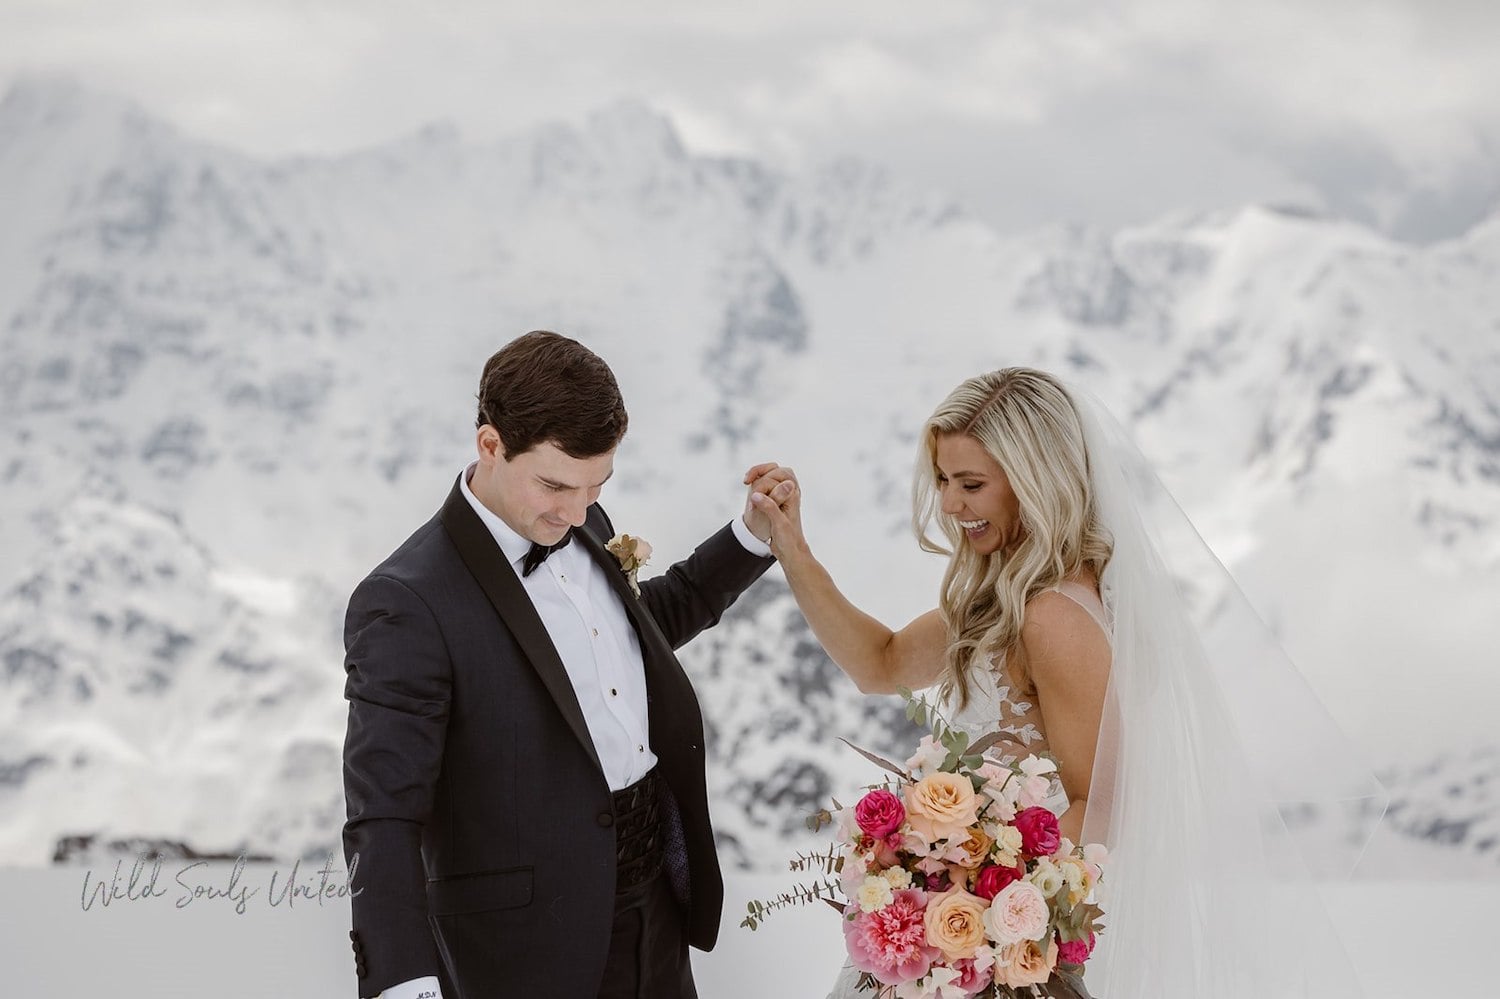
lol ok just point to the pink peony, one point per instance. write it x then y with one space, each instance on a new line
891 944
993 878
1075 951
1039 833
880 813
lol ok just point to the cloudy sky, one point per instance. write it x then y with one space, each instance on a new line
1028 111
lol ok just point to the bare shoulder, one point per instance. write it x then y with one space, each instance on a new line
1058 630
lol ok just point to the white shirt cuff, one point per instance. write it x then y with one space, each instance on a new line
751 544
417 988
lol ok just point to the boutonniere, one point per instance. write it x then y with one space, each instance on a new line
633 553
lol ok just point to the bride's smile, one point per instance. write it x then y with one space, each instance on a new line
977 494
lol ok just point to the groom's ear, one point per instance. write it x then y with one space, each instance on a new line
491 445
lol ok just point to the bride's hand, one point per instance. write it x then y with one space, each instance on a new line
782 509
765 478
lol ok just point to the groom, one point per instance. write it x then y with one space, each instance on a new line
524 764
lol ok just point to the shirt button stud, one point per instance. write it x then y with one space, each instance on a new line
596 632
640 749
613 692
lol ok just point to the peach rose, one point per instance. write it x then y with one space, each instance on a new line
973 851
942 806
955 923
1025 963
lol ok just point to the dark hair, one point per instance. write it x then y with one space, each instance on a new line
544 387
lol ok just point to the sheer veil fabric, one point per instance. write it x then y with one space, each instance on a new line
1213 754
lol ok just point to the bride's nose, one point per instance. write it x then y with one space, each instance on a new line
952 503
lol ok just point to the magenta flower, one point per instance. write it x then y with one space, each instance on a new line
1039 832
993 878
891 944
1075 951
879 813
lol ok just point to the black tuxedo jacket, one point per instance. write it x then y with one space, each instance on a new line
477 809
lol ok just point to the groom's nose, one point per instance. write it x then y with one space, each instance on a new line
574 511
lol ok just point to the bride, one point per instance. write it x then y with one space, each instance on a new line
1061 624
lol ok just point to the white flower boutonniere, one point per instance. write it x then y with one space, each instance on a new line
633 553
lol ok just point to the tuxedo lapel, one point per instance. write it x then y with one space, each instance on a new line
485 561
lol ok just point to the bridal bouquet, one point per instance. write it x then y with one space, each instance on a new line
952 876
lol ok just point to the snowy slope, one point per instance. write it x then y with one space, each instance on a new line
229 387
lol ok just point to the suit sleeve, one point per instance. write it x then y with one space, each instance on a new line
398 686
693 594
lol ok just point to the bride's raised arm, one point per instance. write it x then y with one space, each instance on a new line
876 658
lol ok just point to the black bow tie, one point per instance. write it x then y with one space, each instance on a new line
538 553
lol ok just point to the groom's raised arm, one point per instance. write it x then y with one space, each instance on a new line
693 594
398 687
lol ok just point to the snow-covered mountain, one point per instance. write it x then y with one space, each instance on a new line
1451 802
228 387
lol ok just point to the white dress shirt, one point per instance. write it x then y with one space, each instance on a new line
601 652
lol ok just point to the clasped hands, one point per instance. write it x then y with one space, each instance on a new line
773 506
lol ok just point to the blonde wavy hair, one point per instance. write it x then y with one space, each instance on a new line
1028 423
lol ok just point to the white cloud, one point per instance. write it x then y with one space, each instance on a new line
1032 110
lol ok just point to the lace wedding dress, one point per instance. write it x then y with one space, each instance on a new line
996 703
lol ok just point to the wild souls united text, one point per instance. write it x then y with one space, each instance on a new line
194 884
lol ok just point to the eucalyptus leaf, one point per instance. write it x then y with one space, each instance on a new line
877 760
986 742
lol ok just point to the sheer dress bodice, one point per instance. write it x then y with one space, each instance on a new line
998 700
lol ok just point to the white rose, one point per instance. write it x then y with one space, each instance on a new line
1008 846
1018 913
